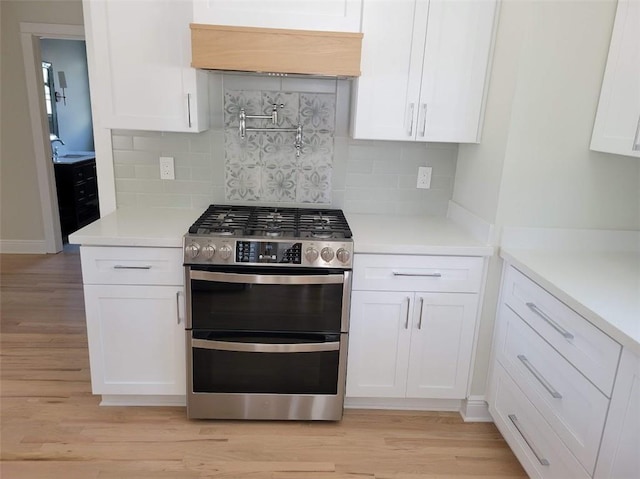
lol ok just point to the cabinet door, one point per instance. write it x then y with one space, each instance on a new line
140 74
620 450
326 15
379 337
385 104
457 51
136 339
617 125
443 329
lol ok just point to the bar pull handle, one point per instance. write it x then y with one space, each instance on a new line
410 113
516 424
566 334
178 306
523 359
122 266
189 108
406 323
424 275
420 317
636 139
424 120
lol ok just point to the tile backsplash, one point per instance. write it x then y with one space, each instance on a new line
359 176
265 166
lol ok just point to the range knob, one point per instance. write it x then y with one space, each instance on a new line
343 255
311 254
327 254
225 251
193 250
209 251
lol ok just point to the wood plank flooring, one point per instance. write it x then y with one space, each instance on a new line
53 428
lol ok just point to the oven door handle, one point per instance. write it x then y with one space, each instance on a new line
265 347
266 278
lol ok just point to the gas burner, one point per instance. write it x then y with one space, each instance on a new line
273 233
322 234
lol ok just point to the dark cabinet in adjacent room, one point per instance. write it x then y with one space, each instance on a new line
77 187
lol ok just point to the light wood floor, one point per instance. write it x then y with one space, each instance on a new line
52 427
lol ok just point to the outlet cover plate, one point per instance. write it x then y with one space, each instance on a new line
424 177
167 171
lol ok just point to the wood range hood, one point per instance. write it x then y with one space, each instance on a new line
276 51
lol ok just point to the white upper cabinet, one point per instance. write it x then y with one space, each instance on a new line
326 15
140 73
617 125
424 73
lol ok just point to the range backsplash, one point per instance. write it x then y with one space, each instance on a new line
265 166
364 176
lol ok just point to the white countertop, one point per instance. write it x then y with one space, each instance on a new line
603 286
388 234
159 227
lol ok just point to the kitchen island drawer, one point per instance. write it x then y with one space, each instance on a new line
535 444
574 408
590 350
132 265
461 274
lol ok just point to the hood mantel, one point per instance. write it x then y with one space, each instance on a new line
270 50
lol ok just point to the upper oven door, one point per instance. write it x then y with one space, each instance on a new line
268 302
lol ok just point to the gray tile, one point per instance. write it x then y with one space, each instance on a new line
370 180
200 143
314 186
203 174
278 149
318 111
186 187
136 157
312 85
242 183
236 100
242 151
287 104
317 150
278 185
125 199
148 172
202 201
360 166
120 142
250 82
164 200
139 186
124 170
161 144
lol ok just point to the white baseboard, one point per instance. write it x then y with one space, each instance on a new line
404 404
23 247
133 400
475 409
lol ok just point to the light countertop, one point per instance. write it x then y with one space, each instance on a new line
413 235
603 286
157 227
164 227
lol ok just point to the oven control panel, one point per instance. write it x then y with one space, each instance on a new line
202 250
268 252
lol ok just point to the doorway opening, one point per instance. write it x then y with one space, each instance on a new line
68 111
66 121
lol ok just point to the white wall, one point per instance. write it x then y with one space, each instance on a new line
74 116
534 167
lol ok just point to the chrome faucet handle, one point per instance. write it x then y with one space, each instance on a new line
274 112
242 130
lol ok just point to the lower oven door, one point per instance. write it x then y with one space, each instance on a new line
244 375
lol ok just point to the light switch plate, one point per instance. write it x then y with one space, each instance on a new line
167 171
424 177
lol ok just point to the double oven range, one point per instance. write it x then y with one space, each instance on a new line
268 293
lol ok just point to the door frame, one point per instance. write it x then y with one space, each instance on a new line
30 35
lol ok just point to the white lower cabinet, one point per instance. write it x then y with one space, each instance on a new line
620 451
554 388
135 326
411 343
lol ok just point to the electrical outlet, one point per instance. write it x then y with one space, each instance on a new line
424 177
167 171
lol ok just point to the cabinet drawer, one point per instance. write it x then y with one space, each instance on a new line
84 172
574 408
462 274
122 265
586 347
539 449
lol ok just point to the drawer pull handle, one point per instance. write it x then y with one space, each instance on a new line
541 460
178 306
121 266
406 323
566 334
425 275
523 359
420 318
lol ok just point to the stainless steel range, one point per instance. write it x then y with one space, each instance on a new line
268 293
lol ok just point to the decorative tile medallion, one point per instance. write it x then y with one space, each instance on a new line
264 166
